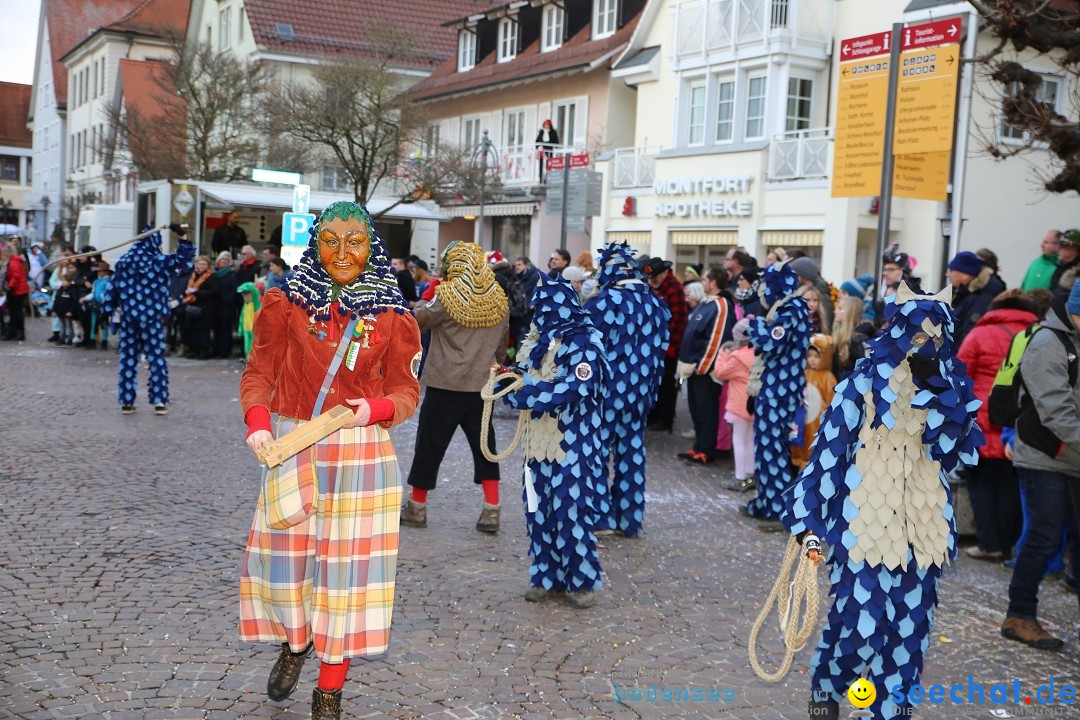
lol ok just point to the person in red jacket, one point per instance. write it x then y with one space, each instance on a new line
338 333
17 291
993 484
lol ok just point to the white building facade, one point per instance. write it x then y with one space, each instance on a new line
47 124
735 117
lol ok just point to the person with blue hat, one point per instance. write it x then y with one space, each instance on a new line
974 286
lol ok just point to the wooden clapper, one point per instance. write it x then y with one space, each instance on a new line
277 451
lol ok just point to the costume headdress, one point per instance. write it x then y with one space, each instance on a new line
778 281
374 291
617 262
556 314
256 296
471 295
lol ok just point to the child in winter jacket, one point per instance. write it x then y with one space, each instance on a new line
733 366
820 385
66 307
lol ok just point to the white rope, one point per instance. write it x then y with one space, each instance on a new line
801 589
489 395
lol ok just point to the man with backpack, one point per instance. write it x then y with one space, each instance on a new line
1047 458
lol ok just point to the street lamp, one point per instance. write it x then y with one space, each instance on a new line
45 201
483 151
946 227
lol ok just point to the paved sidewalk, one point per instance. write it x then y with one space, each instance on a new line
121 539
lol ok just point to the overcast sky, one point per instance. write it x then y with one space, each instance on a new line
18 39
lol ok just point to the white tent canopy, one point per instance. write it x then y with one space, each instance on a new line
233 195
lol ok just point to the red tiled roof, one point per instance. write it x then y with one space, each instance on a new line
70 22
331 27
579 50
156 17
14 108
148 92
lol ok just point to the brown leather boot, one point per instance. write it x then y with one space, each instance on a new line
1030 632
414 514
325 704
489 519
285 675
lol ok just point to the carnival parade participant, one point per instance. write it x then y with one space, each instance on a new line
469 323
633 324
140 289
876 492
563 371
777 383
321 579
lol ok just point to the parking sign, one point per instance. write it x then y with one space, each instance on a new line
294 235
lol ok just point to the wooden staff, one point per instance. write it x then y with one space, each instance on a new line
277 451
137 238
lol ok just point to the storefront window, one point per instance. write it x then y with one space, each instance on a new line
510 236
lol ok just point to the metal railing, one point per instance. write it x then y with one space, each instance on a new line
634 167
706 25
800 154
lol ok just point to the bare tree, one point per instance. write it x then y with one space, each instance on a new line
202 122
1050 29
353 110
451 174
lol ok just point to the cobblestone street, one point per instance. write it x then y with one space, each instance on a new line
121 539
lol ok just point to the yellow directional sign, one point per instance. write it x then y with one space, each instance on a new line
860 126
926 99
922 176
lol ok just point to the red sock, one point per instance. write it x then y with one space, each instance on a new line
491 491
332 677
419 496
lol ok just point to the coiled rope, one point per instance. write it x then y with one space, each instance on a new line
801 589
489 395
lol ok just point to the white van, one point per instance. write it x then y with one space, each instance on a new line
104 226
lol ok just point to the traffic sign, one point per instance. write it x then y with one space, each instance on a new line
860 122
923 176
926 99
941 32
578 160
295 235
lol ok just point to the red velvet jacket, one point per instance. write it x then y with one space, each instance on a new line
16 276
983 351
287 365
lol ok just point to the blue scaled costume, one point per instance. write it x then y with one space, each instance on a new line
780 340
633 323
875 491
140 289
563 368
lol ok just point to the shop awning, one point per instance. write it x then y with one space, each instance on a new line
637 239
493 210
232 195
796 238
704 237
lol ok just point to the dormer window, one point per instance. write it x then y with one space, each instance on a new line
604 12
466 58
508 39
552 28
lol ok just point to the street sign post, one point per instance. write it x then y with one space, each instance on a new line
294 235
860 124
923 176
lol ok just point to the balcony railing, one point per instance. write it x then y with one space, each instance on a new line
800 154
635 167
521 165
704 26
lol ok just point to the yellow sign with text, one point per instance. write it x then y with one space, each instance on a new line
924 176
860 127
926 99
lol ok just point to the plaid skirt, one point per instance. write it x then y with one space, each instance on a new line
330 579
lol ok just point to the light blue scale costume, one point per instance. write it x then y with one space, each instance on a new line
563 366
875 491
633 323
140 288
780 340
